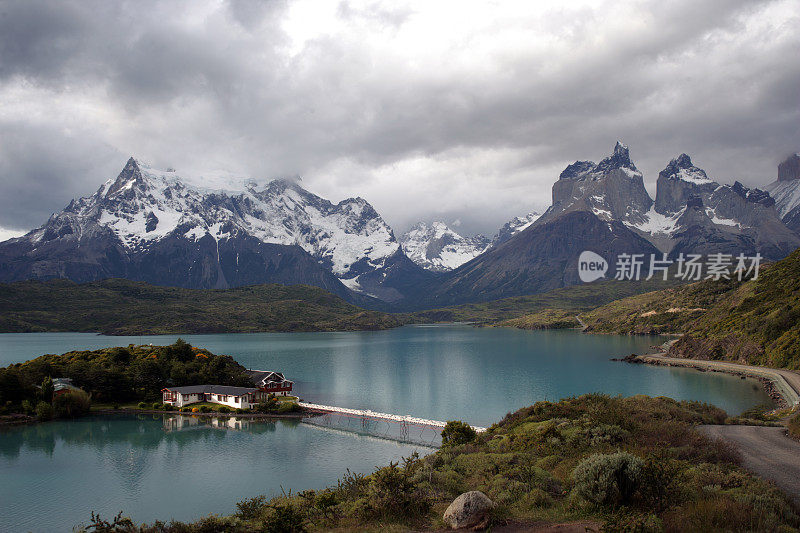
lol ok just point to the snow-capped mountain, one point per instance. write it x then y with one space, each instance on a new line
217 231
438 248
604 207
786 192
691 212
514 226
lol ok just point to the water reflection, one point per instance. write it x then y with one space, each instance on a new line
203 464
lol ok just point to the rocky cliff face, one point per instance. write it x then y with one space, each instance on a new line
612 189
205 231
789 169
695 214
786 192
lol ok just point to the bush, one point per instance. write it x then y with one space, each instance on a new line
284 519
289 407
224 409
195 410
44 411
456 432
158 406
72 404
186 409
205 409
251 508
270 404
608 480
115 406
794 426
142 405
28 408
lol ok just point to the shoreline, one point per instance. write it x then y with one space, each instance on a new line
776 382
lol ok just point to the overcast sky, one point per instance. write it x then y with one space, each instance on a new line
456 111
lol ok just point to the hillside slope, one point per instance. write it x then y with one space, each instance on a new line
665 311
758 323
122 307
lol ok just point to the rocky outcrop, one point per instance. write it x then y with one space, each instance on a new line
789 169
514 226
612 189
786 192
468 510
680 180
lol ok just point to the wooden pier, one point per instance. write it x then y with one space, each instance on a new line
367 414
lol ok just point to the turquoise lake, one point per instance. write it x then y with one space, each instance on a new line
56 473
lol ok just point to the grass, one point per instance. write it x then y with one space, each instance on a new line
544 319
669 310
572 300
528 465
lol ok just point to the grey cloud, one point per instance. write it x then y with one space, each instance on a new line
223 91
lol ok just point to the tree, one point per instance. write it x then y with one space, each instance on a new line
47 389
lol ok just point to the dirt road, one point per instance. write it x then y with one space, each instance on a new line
766 451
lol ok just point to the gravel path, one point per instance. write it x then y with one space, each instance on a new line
766 451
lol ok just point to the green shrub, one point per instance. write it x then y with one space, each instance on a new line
28 407
224 409
608 480
44 411
284 518
456 432
289 407
205 409
115 406
251 508
158 406
268 405
72 404
239 410
186 409
794 426
142 405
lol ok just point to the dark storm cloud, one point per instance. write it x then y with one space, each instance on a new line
459 117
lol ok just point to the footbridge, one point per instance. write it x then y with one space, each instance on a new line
366 414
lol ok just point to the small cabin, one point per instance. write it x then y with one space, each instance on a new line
271 382
233 397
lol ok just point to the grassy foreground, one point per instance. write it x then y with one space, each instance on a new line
631 464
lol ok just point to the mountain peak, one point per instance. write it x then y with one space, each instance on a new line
620 158
130 176
682 161
681 168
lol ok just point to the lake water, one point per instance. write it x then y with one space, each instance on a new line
153 467
54 474
438 372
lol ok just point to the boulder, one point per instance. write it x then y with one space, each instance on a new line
468 510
